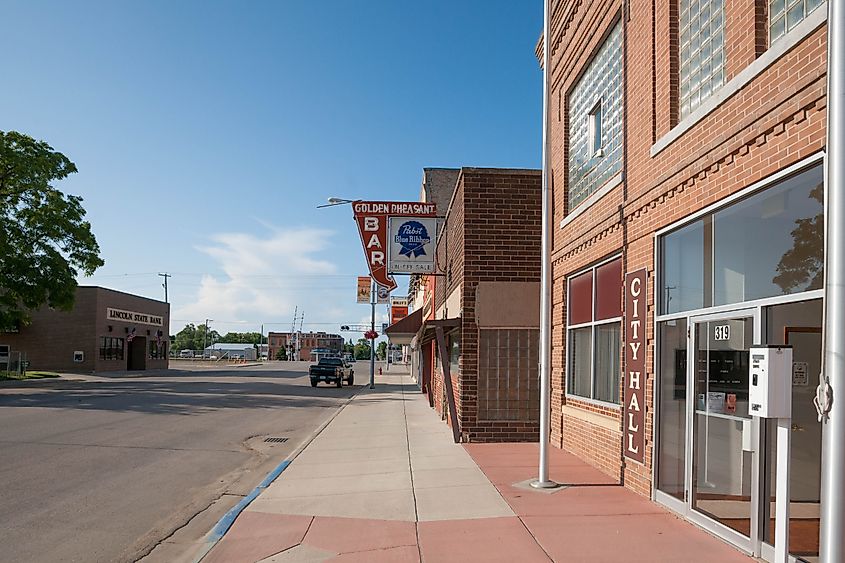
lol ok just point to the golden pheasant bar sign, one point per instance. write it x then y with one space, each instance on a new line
635 351
372 218
133 317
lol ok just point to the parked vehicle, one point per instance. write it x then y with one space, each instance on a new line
331 370
186 354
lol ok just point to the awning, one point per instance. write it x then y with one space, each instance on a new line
429 326
404 330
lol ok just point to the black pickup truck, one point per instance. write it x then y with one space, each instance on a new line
331 370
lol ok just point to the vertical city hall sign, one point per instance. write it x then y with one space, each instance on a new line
373 217
635 351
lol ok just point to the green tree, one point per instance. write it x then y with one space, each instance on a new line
242 337
193 337
801 268
45 238
362 349
381 350
281 354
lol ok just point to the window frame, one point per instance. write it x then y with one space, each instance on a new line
594 117
592 325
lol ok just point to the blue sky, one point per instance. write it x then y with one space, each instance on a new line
206 133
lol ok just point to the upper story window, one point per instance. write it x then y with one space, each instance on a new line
595 121
702 51
784 15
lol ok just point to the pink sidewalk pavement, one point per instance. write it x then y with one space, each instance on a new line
415 496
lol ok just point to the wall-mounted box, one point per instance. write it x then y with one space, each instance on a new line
770 382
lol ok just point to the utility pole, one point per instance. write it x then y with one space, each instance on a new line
291 343
205 337
831 392
164 285
373 329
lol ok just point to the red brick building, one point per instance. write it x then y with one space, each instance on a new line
303 346
687 140
487 301
106 330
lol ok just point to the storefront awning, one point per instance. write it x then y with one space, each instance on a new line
428 328
404 330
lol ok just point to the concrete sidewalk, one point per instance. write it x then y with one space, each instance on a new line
385 482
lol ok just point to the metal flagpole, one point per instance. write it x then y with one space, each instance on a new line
543 481
832 539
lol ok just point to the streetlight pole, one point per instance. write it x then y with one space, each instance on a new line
829 400
372 329
205 337
543 481
165 276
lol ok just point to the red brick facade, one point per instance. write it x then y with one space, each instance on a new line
491 235
772 116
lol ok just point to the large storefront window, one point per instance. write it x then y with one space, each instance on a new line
594 334
158 350
672 395
768 244
111 348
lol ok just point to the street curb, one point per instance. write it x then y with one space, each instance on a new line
219 530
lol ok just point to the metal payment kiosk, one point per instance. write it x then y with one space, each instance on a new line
770 396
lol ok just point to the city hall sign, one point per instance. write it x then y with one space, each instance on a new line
133 317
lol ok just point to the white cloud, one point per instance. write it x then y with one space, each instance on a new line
263 277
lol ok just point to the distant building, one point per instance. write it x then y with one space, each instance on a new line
302 345
232 350
106 330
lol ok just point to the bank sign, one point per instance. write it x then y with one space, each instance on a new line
133 317
635 374
372 218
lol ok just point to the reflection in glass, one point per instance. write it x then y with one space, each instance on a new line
770 243
673 407
683 263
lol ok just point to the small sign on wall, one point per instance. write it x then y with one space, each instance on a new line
635 373
721 332
78 356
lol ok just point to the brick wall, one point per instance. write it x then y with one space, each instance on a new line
492 234
776 120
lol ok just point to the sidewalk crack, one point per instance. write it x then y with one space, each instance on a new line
411 471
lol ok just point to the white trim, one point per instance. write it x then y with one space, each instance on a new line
612 406
781 47
594 197
594 323
763 302
759 185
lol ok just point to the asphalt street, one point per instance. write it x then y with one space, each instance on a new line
114 468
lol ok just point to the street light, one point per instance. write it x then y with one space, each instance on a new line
332 201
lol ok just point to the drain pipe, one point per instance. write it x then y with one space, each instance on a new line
832 413
543 481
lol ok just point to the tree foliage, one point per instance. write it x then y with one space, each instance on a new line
362 349
243 337
45 238
281 354
381 350
801 268
194 338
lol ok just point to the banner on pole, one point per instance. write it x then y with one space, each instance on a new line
363 289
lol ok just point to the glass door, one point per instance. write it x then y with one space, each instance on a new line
722 466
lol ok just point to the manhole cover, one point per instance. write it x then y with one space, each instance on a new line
276 439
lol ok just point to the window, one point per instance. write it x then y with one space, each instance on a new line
702 51
595 121
111 348
767 244
158 350
508 377
784 15
595 130
594 332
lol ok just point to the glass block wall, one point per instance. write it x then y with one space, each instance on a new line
600 83
702 56
786 14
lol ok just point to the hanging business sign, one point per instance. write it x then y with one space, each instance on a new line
635 374
398 308
411 245
364 289
372 218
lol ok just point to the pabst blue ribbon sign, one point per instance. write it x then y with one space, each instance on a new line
372 218
412 241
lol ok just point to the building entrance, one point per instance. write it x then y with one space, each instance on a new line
715 463
136 354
